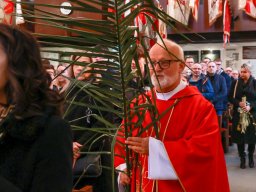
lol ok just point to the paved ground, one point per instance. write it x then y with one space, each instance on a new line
241 180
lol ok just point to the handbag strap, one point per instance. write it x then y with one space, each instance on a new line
234 94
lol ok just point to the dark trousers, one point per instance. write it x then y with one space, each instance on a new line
241 149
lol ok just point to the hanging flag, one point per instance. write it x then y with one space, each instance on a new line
19 18
241 4
6 11
250 8
179 10
226 22
194 5
214 10
162 26
148 25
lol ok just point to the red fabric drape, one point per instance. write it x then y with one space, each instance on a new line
226 22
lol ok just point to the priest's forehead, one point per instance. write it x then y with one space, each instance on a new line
174 51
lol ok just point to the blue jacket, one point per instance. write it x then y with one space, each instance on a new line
220 91
204 86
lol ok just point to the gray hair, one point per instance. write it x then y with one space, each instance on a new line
247 67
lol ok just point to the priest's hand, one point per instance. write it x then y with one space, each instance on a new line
124 179
138 144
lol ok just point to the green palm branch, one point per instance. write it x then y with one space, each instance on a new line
111 37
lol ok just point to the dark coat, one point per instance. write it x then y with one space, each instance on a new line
228 84
204 86
248 90
36 155
83 116
220 91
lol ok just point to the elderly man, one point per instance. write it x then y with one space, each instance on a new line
187 156
235 74
228 71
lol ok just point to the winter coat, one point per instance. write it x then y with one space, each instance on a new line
83 117
220 91
204 86
36 154
249 90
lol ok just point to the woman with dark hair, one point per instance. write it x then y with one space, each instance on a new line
35 142
243 97
51 74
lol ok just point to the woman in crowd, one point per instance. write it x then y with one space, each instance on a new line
139 84
63 74
35 142
84 116
51 73
243 97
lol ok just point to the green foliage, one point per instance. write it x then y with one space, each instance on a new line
111 38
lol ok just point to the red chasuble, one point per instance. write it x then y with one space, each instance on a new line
192 140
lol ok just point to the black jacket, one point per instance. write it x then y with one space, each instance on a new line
83 116
36 155
249 90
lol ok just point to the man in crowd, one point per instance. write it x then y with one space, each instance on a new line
220 90
235 74
201 82
204 68
206 60
228 71
189 61
220 71
187 155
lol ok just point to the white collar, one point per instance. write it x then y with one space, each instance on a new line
168 95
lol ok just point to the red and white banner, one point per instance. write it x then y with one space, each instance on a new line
194 5
6 11
226 22
214 10
147 25
162 26
179 10
249 6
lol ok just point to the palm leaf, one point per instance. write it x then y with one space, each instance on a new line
110 37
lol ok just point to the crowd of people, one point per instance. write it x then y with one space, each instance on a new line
40 152
232 92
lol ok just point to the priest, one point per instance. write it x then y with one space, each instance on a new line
186 154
